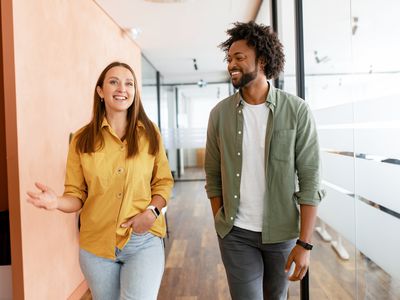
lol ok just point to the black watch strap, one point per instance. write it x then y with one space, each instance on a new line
305 245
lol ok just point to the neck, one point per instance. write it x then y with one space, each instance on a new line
118 122
256 92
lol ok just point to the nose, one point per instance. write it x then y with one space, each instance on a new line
121 87
231 64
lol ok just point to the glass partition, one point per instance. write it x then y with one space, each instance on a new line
149 90
376 74
351 86
189 107
329 92
182 113
286 33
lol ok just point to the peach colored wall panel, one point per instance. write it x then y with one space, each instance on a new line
60 49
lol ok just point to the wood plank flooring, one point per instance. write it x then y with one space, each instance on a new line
194 271
202 275
199 273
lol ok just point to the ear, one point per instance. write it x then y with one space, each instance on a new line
99 92
261 64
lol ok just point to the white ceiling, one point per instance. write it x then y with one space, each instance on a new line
172 34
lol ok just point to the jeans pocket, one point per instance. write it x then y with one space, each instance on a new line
140 234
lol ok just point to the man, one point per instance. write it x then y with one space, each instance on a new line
258 141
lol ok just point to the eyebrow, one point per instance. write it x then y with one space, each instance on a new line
236 53
114 77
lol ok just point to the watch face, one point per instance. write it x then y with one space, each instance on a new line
157 211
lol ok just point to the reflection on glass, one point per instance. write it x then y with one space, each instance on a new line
351 86
379 69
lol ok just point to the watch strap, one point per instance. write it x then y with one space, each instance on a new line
154 209
305 245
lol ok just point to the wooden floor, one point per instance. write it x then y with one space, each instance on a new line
192 174
193 266
194 270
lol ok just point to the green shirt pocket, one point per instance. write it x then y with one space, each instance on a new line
283 144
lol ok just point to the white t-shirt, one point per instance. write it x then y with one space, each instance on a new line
253 181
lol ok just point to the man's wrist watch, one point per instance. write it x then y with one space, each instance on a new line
303 244
154 209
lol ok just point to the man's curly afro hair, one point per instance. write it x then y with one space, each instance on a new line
264 41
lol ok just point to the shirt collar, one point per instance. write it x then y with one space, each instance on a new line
106 124
271 98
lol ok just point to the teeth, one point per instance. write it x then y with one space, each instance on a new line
119 98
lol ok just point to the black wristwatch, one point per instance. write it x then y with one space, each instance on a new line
305 245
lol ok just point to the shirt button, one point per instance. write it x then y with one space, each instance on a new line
238 153
239 132
237 174
119 195
235 196
120 170
231 218
240 111
122 148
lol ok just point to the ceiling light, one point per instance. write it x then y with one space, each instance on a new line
135 32
195 64
355 25
201 83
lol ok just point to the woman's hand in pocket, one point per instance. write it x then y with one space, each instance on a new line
142 222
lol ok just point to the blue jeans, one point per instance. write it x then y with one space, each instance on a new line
135 273
255 271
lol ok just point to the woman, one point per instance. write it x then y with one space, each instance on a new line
118 175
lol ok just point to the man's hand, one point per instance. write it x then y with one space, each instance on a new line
216 204
301 258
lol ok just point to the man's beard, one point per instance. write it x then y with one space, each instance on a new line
245 79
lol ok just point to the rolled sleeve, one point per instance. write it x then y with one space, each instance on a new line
161 181
75 184
308 159
212 164
310 198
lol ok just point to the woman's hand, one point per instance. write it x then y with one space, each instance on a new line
46 198
142 222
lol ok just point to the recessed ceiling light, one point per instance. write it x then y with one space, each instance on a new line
135 32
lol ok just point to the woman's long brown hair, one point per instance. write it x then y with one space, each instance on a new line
91 139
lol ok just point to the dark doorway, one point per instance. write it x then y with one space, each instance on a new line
5 249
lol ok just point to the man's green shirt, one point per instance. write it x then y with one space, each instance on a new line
292 163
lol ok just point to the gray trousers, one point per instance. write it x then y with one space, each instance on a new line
255 271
